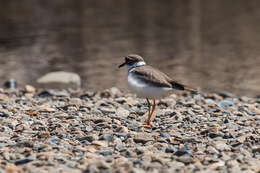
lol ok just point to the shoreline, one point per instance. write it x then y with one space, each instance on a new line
83 131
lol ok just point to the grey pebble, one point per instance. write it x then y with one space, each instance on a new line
184 151
24 161
4 115
106 152
170 149
165 135
53 140
225 104
107 137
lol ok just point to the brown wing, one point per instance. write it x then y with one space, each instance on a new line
158 78
153 76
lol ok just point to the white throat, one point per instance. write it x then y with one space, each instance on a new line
137 64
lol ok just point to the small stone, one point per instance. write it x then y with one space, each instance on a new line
256 149
197 107
170 149
165 135
45 108
23 161
75 101
176 165
87 128
105 152
226 104
222 146
232 163
136 170
29 89
92 169
226 120
184 159
122 129
107 110
115 91
214 135
10 84
121 100
107 137
131 101
89 138
88 94
121 112
210 101
100 143
3 97
121 135
3 115
13 169
184 151
6 156
160 146
215 165
212 150
57 93
120 146
53 140
143 138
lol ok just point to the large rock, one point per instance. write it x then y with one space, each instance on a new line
60 80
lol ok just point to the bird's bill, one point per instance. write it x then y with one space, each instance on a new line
121 65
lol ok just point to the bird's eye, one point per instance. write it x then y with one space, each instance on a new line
128 59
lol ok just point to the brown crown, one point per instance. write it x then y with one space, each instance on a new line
130 59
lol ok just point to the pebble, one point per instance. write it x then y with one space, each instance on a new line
12 84
226 104
23 161
107 137
107 110
122 113
29 89
122 129
143 138
105 152
184 151
170 149
57 93
221 146
3 115
100 143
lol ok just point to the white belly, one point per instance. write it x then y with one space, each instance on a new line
144 90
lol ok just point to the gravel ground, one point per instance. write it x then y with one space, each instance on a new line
69 131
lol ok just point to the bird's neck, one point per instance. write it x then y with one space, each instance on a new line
137 64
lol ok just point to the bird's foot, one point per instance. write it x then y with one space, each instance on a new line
147 125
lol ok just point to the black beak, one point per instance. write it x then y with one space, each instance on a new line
121 65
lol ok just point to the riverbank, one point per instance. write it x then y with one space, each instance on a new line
83 131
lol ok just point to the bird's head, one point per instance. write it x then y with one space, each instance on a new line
132 61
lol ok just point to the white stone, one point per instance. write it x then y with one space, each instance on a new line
60 79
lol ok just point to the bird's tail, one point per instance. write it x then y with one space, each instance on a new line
179 86
193 90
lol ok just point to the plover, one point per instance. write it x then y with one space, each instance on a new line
148 82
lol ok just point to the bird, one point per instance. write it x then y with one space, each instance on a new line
149 83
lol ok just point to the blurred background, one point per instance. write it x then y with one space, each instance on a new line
213 45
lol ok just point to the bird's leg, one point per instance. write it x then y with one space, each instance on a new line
151 114
146 125
149 106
